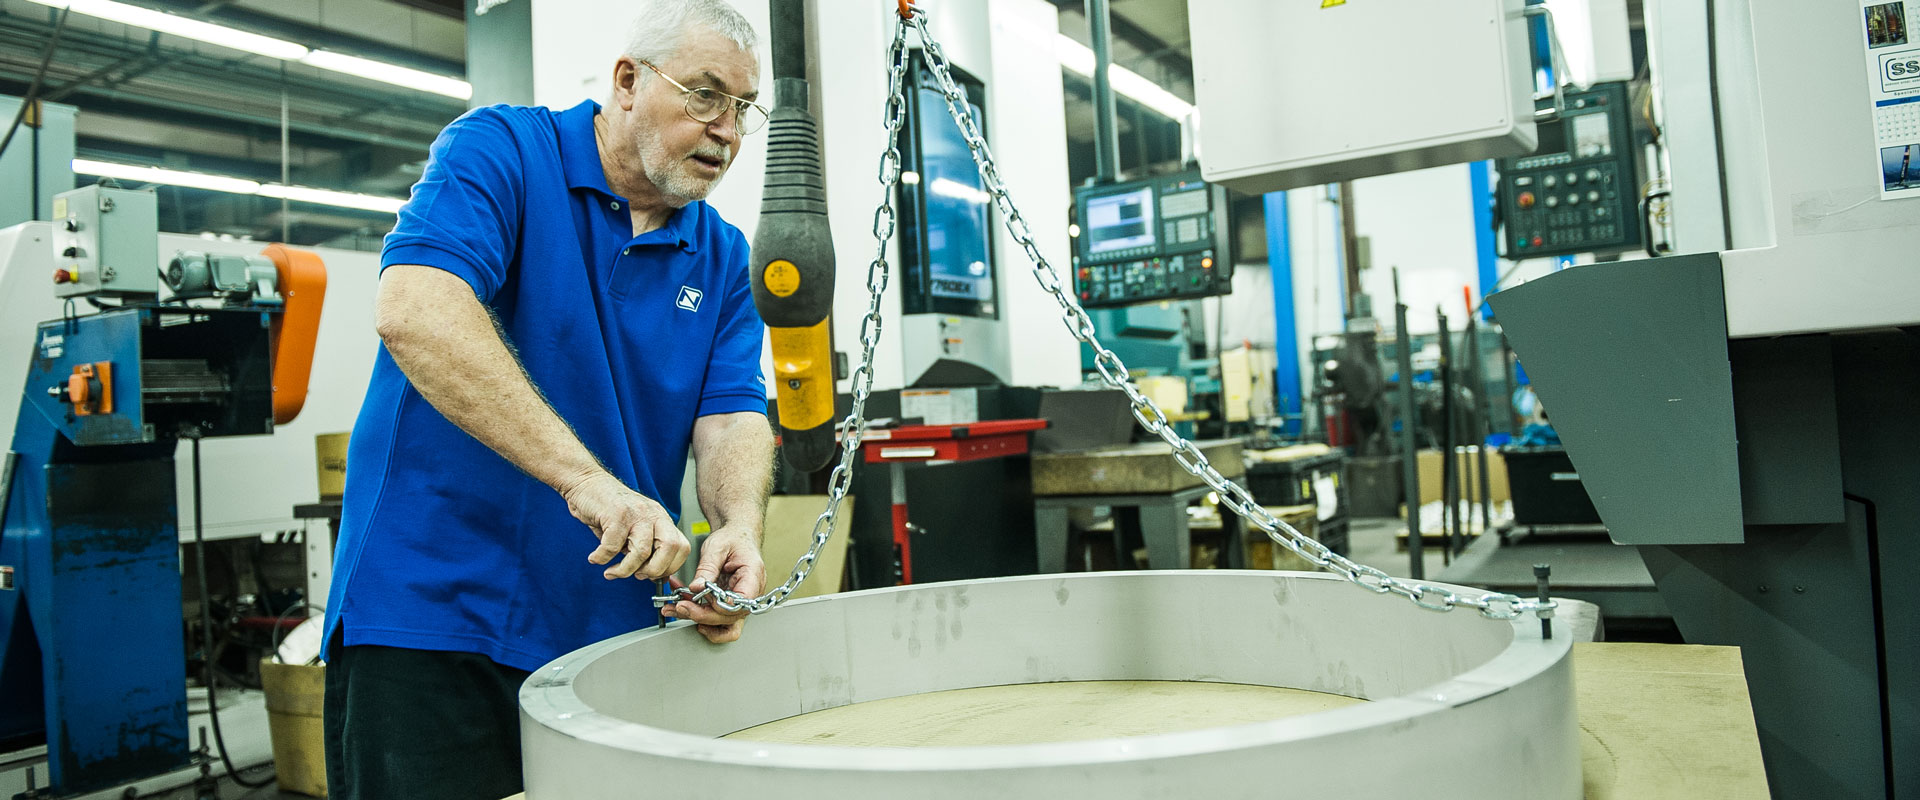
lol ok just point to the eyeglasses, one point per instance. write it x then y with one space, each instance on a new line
706 105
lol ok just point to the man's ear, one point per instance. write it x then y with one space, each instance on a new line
626 83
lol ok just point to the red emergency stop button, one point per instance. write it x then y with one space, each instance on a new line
63 276
1525 200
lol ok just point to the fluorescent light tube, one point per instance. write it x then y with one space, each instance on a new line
1079 58
182 26
192 180
267 46
364 202
390 73
222 183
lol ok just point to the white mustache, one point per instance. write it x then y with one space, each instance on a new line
716 153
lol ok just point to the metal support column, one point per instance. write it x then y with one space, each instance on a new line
1409 443
1106 134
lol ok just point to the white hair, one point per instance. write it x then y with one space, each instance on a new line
660 27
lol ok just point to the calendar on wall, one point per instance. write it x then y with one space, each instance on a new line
1893 78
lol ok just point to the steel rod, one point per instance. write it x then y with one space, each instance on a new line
1409 442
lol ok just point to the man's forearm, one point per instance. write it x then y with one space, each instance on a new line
733 469
454 355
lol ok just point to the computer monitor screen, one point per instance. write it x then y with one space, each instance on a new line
946 222
957 206
1592 136
1119 221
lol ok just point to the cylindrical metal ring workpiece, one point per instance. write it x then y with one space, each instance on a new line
1462 706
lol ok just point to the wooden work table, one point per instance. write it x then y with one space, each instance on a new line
1662 722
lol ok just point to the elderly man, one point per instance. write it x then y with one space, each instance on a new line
563 320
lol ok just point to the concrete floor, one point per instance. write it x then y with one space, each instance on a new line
1371 541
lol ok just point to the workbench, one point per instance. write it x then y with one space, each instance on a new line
1144 486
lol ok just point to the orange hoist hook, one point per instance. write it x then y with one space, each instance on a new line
906 9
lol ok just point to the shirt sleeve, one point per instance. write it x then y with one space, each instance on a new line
734 382
464 215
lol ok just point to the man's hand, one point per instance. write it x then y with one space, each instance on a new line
627 520
731 560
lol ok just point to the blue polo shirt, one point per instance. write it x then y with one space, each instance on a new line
443 544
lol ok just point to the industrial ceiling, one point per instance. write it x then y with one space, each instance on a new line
166 101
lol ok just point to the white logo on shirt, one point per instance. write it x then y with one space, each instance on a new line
689 298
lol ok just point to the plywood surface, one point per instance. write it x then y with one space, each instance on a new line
1042 712
1662 721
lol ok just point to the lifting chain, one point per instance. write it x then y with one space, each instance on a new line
1493 605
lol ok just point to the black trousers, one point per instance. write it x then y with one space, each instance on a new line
421 725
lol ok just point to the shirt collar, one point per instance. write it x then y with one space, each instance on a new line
580 160
580 151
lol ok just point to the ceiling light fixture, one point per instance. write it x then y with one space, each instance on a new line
325 197
182 26
1078 58
231 185
192 180
390 73
245 41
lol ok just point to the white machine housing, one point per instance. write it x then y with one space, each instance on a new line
1778 130
1300 93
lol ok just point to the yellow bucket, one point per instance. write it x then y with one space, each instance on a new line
295 697
330 451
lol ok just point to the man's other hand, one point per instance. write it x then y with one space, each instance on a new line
731 560
630 522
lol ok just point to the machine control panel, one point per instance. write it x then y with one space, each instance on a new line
105 243
1580 192
1157 239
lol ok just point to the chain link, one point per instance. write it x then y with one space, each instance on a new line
1113 371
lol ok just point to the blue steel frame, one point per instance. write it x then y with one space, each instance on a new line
1288 383
91 652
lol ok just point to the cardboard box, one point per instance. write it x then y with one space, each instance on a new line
1469 472
789 532
1262 553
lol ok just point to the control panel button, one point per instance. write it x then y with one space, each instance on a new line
1573 178
1593 197
1573 199
64 276
1593 175
1549 181
1553 201
1525 200
1537 241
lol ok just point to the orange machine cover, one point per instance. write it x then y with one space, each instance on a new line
303 286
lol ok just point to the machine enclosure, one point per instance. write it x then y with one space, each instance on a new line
104 238
1296 94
